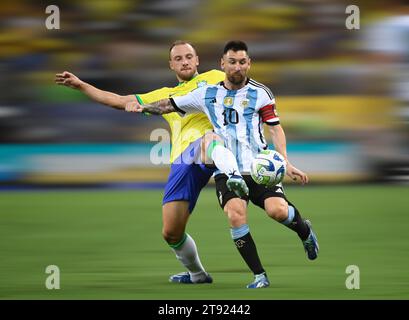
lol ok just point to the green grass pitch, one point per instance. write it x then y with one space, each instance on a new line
108 245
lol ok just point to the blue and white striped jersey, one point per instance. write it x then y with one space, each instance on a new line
237 116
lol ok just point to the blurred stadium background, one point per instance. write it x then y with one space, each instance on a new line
334 87
342 95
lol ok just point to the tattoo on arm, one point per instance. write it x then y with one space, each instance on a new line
159 107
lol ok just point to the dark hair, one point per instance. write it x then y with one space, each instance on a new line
179 42
235 45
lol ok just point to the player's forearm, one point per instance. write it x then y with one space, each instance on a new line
159 107
105 97
279 139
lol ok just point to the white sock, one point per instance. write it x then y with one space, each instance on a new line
225 160
187 254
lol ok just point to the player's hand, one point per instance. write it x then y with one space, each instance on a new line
296 174
133 106
68 79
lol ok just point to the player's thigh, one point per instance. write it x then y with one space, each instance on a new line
264 197
175 215
223 193
232 205
185 183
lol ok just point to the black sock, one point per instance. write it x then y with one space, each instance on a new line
248 251
298 225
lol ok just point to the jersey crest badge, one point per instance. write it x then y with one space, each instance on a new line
244 103
201 83
228 101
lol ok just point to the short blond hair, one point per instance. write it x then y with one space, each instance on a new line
179 42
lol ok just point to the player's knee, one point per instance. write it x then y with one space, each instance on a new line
171 236
278 212
236 216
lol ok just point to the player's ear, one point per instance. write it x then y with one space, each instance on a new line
197 61
222 63
171 65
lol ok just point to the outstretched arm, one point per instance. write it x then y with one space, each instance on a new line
188 103
105 97
280 145
158 107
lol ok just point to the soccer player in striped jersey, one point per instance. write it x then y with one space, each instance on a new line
187 176
237 108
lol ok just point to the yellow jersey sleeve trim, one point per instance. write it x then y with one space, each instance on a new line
139 99
141 102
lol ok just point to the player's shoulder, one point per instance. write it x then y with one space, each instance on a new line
211 77
163 90
204 81
214 72
261 88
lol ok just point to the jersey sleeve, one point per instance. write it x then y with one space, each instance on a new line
189 103
268 111
153 96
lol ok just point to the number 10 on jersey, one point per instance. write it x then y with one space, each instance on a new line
231 116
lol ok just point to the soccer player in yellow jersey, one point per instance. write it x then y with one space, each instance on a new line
187 177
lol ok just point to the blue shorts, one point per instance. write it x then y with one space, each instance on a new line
187 177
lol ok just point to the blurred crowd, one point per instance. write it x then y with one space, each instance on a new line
331 83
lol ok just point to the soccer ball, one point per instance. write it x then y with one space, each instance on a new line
268 168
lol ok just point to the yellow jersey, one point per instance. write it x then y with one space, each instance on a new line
184 130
